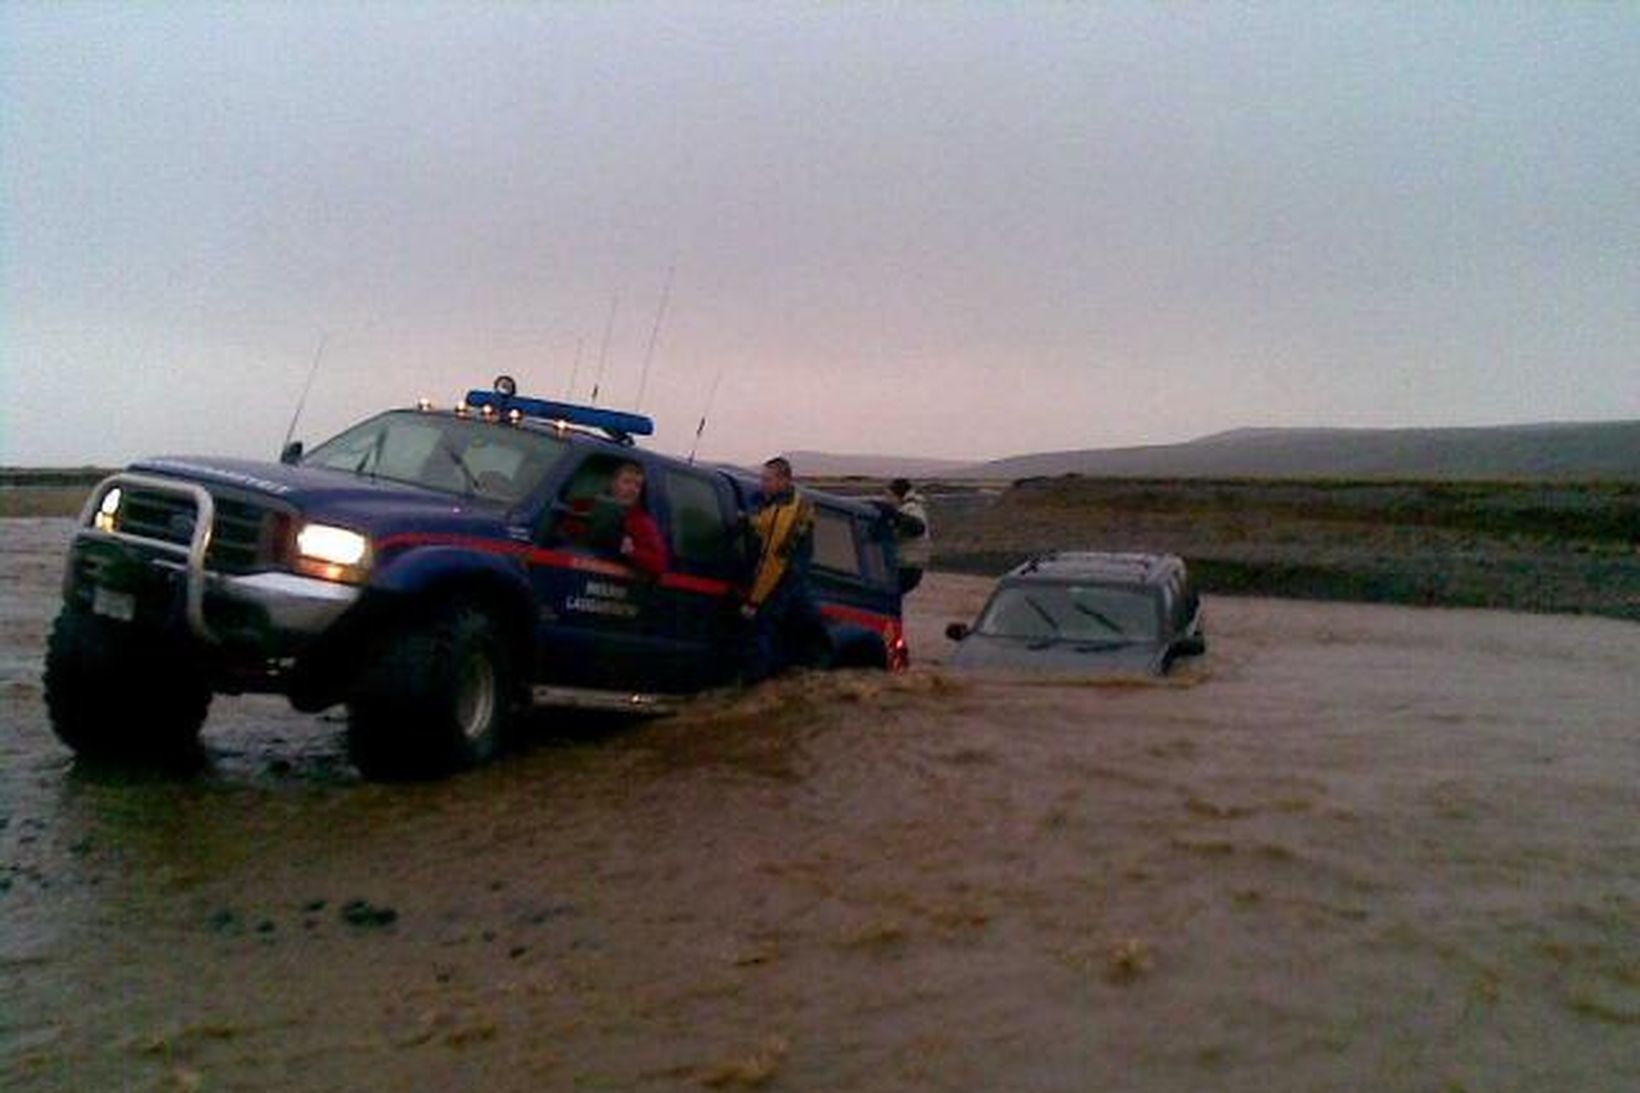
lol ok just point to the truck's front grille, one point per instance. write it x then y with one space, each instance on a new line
242 539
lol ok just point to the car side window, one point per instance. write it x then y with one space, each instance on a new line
834 546
700 527
583 514
875 552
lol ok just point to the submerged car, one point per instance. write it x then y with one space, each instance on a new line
1086 613
433 571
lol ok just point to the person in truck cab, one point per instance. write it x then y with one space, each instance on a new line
641 543
785 621
615 521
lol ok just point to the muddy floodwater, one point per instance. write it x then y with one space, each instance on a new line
1353 848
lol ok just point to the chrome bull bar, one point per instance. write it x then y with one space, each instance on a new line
193 554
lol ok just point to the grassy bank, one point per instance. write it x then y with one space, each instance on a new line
42 500
1523 546
46 491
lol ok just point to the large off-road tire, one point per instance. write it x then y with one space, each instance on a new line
437 695
117 693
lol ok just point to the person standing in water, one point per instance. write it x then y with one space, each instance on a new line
912 536
785 621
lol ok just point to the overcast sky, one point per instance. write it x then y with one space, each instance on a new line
939 230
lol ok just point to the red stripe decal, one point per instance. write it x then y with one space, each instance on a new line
686 582
858 616
558 559
466 542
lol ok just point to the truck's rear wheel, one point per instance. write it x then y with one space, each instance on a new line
117 693
435 697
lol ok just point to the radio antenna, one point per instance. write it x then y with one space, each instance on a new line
700 429
575 370
301 401
603 354
654 332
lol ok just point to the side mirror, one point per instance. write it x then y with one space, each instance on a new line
292 453
956 631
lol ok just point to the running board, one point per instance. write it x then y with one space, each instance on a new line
586 698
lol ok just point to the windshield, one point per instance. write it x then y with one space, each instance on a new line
1072 612
441 452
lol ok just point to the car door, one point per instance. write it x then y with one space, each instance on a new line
701 521
598 623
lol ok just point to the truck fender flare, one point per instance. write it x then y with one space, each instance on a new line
496 579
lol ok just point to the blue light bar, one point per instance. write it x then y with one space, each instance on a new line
617 423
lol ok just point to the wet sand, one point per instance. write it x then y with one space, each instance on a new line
1355 847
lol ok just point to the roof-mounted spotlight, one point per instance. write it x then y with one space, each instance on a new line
424 404
506 386
515 416
487 411
462 409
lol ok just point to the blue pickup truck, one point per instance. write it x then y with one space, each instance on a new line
419 568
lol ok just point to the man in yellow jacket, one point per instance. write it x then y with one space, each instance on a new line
786 626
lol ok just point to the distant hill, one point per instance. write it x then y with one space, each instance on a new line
835 465
1606 450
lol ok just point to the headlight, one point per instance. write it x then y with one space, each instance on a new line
336 554
108 510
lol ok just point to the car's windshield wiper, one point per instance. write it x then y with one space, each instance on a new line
461 464
1098 616
1042 611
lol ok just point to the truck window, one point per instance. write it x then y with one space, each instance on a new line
699 525
834 546
584 513
876 556
442 452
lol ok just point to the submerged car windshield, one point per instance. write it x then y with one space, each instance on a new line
1072 612
442 452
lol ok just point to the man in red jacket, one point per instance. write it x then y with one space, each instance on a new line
641 542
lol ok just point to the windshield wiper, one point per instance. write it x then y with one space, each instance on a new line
1043 612
371 457
461 464
1098 616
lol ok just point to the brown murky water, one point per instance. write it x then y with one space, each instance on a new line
1356 847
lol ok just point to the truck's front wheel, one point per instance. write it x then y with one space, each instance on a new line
119 694
435 697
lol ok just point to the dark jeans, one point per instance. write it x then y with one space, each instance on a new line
787 631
